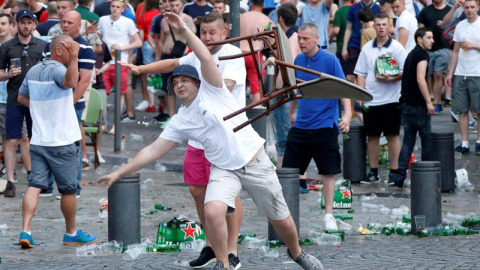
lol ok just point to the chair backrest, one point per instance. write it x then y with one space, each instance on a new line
286 54
94 107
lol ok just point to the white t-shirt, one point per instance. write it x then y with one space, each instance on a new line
117 32
409 22
468 60
409 5
233 69
382 92
203 121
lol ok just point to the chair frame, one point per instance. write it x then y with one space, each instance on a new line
275 45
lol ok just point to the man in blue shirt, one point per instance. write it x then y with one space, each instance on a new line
315 131
47 90
351 39
318 13
197 9
71 26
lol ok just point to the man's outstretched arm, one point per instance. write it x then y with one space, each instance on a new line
210 71
147 155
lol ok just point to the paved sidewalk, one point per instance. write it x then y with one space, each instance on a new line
356 252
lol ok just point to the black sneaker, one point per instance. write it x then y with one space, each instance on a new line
447 103
162 117
234 261
206 257
128 119
10 189
396 179
371 178
462 149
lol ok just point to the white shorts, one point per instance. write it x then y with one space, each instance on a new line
258 178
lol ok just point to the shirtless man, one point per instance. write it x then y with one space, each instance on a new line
166 45
252 22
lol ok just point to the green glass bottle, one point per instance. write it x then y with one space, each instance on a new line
407 219
273 243
162 207
471 231
423 233
342 217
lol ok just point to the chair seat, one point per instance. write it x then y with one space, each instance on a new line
90 129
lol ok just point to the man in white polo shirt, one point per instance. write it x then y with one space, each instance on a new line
120 34
238 158
383 114
406 25
464 72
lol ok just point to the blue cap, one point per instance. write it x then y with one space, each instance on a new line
182 70
25 13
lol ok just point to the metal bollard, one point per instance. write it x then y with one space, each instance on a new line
260 126
426 196
442 149
124 210
355 155
288 178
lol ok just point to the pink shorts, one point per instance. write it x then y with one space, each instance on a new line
196 168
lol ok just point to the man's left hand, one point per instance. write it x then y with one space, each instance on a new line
344 126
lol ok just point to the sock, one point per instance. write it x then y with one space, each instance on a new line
465 144
478 141
374 170
29 232
85 160
303 183
72 235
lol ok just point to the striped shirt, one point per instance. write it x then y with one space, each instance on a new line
86 60
53 116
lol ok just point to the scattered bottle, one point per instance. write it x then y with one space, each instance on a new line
342 217
162 207
423 233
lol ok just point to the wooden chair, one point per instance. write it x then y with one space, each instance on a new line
285 84
93 121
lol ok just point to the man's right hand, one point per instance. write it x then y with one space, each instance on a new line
135 69
345 54
448 80
109 178
72 47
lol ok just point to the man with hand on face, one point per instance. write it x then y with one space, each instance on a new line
70 23
238 158
28 49
196 166
47 90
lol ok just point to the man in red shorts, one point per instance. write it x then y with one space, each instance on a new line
250 23
120 34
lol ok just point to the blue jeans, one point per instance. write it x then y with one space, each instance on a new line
79 171
415 120
281 123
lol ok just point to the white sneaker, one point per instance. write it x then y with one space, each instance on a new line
142 106
100 158
330 223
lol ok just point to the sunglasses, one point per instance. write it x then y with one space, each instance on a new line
25 50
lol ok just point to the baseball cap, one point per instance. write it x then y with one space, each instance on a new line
182 70
25 13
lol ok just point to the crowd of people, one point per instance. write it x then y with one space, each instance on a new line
53 52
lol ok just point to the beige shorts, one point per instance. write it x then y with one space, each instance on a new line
258 178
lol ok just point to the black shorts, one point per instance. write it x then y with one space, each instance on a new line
383 118
352 59
319 144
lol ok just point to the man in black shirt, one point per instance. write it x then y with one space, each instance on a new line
417 107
